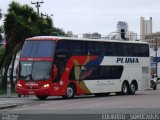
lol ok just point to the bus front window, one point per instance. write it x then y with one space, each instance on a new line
37 48
34 70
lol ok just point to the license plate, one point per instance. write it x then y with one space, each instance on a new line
31 92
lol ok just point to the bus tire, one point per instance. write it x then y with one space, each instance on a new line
41 97
70 92
132 88
19 95
125 89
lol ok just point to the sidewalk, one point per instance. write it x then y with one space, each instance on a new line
7 102
13 101
13 95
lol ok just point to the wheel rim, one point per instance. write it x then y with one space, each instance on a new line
70 92
125 89
133 88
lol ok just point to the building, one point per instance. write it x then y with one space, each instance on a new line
131 36
122 25
95 35
87 35
16 63
145 27
70 34
116 35
154 41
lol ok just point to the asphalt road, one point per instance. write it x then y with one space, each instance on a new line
142 102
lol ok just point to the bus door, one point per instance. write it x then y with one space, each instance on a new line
61 58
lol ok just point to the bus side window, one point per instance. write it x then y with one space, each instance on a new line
77 48
100 48
91 48
144 51
62 53
77 52
119 49
62 50
125 49
84 48
130 50
108 49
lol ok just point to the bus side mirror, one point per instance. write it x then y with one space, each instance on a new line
55 71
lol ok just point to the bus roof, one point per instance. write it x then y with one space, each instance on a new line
81 39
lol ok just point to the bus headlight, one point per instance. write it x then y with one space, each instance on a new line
19 85
46 86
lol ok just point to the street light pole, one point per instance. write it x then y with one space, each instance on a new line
156 48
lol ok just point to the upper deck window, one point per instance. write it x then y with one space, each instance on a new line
35 48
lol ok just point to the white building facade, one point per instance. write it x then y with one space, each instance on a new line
145 27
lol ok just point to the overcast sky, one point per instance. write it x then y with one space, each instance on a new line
88 16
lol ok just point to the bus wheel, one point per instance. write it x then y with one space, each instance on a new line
41 97
132 88
19 95
70 93
125 89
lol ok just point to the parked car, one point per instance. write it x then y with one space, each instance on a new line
153 83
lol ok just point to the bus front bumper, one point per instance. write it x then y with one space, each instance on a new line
42 91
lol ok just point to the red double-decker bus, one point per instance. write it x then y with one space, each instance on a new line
61 66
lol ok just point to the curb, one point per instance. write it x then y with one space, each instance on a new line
5 106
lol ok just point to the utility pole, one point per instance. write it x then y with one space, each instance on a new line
37 4
156 59
156 49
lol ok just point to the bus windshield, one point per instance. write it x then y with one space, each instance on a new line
38 48
34 70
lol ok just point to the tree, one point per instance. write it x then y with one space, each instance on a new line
1 31
57 31
0 14
1 28
2 49
21 22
